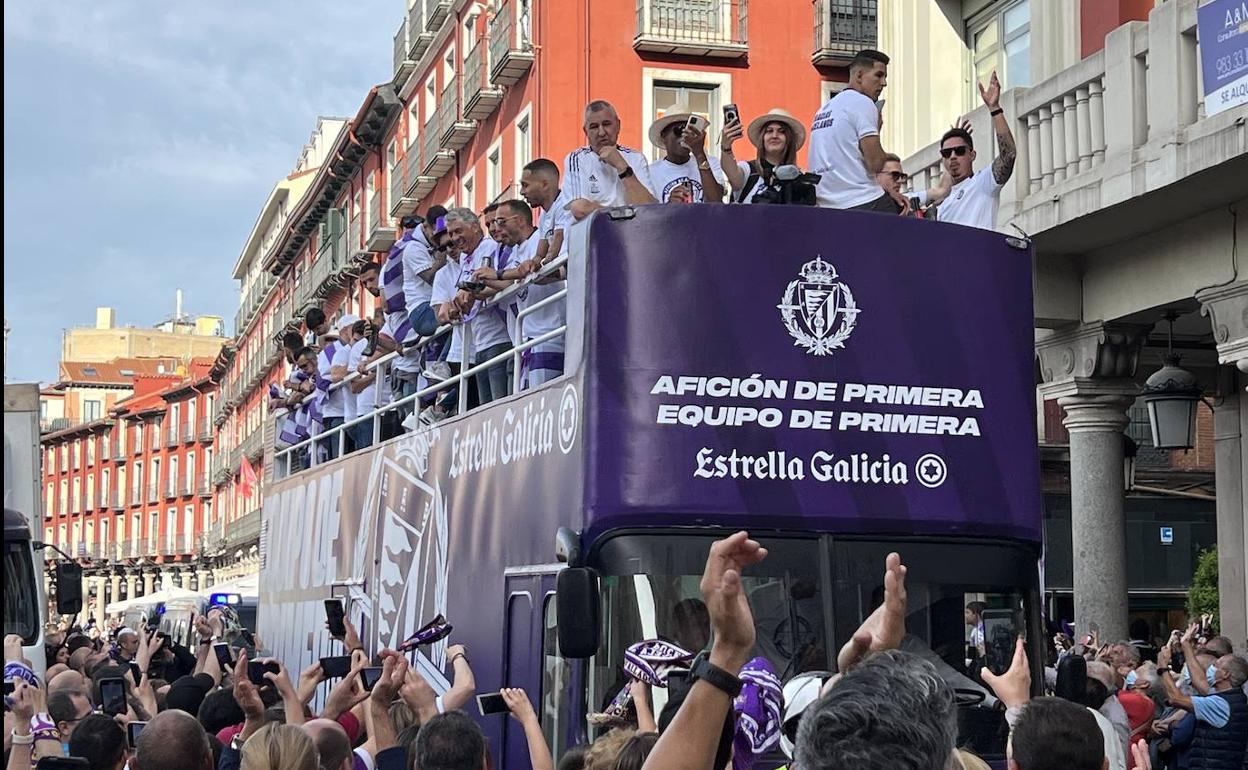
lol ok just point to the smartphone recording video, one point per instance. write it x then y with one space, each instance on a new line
370 676
492 703
337 666
113 696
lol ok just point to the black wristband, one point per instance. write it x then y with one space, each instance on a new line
626 173
717 677
996 112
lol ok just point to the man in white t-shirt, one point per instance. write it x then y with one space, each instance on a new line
368 395
332 365
684 174
976 197
543 361
489 337
604 173
845 145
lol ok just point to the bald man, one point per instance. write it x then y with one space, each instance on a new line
67 680
127 645
332 743
174 739
78 658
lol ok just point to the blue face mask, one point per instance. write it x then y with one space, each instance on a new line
1211 674
1131 678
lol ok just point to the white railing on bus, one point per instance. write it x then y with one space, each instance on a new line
282 457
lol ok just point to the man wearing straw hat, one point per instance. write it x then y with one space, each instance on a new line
845 145
684 174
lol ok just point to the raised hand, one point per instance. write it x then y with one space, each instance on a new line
419 696
883 628
992 94
518 704
1013 687
726 602
309 679
245 692
731 133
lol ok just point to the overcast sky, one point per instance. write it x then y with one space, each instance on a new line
141 139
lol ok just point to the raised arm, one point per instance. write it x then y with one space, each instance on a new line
731 133
464 685
1007 151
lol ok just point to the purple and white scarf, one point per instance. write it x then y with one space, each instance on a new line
392 288
759 710
647 661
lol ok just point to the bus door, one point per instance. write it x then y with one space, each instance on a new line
532 662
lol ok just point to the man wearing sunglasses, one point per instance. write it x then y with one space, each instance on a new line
894 180
975 198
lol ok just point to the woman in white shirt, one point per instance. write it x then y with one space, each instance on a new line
776 136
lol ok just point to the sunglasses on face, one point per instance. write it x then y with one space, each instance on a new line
899 176
960 150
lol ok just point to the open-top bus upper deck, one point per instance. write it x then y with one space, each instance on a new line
835 382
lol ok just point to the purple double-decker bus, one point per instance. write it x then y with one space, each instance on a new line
839 384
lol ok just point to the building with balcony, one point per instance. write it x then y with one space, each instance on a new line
486 89
127 493
1132 195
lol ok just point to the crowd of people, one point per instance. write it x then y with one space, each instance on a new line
141 701
450 266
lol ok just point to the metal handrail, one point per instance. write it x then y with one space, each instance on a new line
282 457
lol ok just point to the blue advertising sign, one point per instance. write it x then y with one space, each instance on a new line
1167 535
1223 29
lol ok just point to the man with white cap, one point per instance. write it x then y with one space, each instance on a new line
333 364
684 174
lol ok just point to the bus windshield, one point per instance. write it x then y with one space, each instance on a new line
967 602
21 611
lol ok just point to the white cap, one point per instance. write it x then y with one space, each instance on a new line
799 692
347 321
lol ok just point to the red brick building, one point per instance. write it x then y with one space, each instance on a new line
129 494
473 95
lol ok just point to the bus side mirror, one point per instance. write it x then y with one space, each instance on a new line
577 607
68 588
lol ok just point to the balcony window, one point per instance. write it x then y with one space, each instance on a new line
524 142
1000 39
494 173
692 27
91 410
842 29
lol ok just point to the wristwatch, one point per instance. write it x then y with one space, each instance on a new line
717 677
626 173
499 274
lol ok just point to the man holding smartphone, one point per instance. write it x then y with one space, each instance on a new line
684 174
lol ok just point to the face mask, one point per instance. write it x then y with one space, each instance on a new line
1211 674
1131 678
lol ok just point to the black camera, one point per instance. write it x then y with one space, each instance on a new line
790 187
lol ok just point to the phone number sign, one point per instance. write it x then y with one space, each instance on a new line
1223 29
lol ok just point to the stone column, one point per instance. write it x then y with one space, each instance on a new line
204 580
115 593
1089 369
1226 307
1098 523
131 585
166 579
149 582
99 601
184 579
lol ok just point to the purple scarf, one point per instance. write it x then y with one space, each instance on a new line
759 710
392 286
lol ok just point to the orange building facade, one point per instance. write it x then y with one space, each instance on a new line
475 93
129 494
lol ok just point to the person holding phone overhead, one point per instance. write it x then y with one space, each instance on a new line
684 174
777 136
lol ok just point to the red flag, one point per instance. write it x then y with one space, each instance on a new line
247 477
